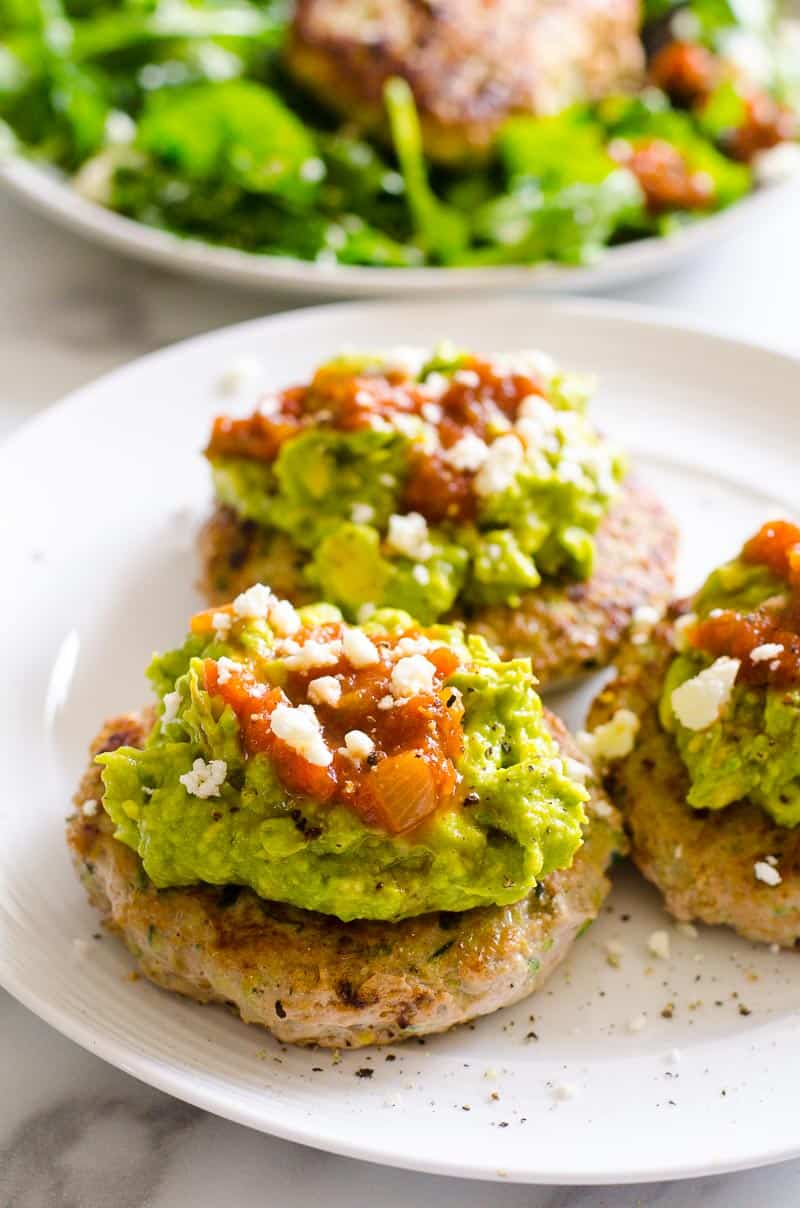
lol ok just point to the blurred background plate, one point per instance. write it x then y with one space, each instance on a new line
46 191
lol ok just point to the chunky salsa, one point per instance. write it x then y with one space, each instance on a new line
773 627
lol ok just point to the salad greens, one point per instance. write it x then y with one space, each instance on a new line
180 114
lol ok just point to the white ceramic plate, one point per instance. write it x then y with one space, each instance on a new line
48 192
99 502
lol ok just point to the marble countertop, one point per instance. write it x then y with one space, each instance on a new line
76 1133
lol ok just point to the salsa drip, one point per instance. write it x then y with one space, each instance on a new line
478 399
775 623
409 775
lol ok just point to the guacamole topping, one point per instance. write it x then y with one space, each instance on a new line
374 771
420 480
732 696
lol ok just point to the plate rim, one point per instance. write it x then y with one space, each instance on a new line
47 192
176 1081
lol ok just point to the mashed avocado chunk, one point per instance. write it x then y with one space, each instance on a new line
375 771
423 481
742 641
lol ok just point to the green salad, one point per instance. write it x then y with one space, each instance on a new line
184 115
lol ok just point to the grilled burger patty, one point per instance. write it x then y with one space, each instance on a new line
701 860
470 63
567 628
312 979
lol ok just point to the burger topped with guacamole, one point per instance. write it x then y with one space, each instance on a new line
446 484
708 772
316 812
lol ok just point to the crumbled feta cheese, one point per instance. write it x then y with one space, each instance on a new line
637 1023
576 769
766 873
241 373
432 412
387 480
766 652
172 702
435 385
386 702
358 745
504 459
314 653
612 740
362 513
467 377
679 638
407 359
269 406
299 728
364 613
225 667
253 603
284 619
358 649
658 944
699 702
601 809
409 536
327 690
412 675
120 128
614 953
222 622
418 645
205 779
643 619
468 453
89 808
688 930
534 407
421 574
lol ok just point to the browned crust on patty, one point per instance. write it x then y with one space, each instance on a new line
470 64
310 978
701 860
567 628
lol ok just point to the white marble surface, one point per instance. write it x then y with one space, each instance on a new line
75 1133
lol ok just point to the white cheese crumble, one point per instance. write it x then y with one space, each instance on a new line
365 611
358 745
421 574
314 653
504 459
575 769
409 535
300 729
386 702
205 779
643 619
284 619
767 873
362 513
241 373
468 453
467 377
612 740
638 1023
269 406
222 622
254 603
172 702
658 944
327 690
432 412
419 645
89 808
679 638
412 675
225 667
766 652
688 930
358 649
699 702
